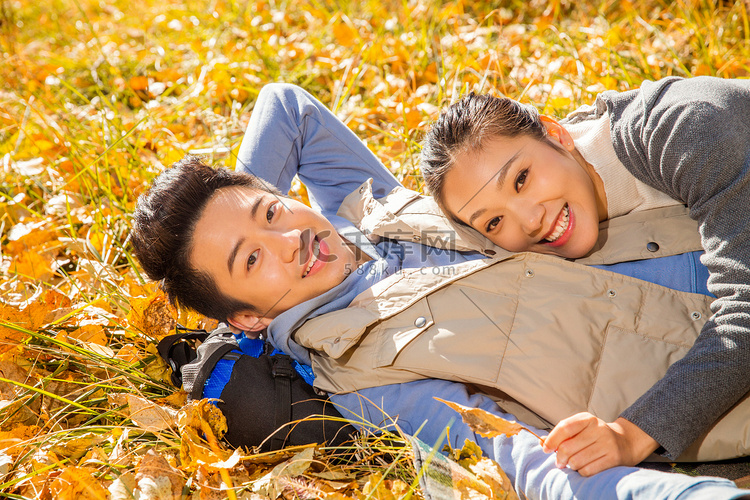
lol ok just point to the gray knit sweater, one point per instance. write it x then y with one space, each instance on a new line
690 138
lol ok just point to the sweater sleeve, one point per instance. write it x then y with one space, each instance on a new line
690 138
292 133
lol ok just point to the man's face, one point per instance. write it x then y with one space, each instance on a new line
268 251
526 195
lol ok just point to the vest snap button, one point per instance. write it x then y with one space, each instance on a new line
529 273
420 322
362 190
652 246
490 252
337 340
696 315
416 238
611 293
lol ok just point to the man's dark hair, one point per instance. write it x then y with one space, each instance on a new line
465 127
163 226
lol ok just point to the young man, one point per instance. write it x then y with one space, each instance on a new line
236 250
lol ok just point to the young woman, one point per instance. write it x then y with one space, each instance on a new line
531 184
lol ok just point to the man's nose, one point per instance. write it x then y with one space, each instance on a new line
290 243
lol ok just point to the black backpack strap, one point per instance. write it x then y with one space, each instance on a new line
176 352
282 372
221 350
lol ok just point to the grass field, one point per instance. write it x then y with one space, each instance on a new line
97 97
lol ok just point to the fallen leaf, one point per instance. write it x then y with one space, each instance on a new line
196 420
123 488
270 484
77 483
77 447
490 472
149 415
153 315
156 479
485 423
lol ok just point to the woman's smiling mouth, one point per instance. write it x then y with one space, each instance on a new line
560 233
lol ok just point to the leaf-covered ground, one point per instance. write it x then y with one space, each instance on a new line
97 97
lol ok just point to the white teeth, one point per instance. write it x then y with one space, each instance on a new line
314 258
562 225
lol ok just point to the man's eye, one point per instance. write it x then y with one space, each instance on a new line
492 224
251 260
271 212
521 179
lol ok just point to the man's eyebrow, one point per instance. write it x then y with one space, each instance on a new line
233 254
501 174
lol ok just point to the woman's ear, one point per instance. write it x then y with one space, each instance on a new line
557 133
248 321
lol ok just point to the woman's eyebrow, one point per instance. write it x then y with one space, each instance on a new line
236 248
501 175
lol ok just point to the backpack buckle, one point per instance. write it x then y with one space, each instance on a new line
282 366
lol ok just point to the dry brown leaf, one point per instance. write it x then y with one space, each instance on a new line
156 479
77 483
149 415
128 353
10 337
91 334
490 472
11 371
34 265
9 440
384 489
485 423
153 315
123 488
195 420
270 484
177 399
77 447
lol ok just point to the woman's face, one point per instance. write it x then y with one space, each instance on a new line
529 195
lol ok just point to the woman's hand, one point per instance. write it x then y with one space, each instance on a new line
589 445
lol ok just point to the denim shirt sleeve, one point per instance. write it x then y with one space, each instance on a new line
533 473
290 132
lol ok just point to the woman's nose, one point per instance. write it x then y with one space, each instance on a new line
531 218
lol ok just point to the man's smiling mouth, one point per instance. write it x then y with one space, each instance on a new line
562 224
313 257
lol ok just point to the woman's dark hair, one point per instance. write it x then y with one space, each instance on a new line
464 127
163 225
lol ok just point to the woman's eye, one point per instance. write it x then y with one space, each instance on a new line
271 212
251 260
492 224
521 179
